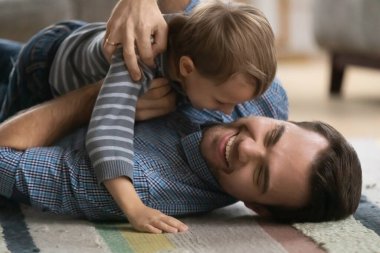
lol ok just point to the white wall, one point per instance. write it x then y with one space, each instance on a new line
300 38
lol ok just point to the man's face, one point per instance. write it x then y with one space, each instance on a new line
262 160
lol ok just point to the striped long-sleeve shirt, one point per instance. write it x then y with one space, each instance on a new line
80 61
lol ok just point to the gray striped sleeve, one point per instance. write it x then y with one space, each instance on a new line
110 134
79 60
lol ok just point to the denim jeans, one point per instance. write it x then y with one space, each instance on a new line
27 83
9 51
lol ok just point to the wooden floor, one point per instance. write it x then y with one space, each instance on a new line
355 114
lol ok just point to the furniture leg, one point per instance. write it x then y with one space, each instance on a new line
337 73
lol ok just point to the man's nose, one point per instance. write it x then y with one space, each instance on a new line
250 149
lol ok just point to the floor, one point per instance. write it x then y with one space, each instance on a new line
356 113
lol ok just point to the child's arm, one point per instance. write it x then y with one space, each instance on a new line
110 134
141 217
109 143
80 60
109 140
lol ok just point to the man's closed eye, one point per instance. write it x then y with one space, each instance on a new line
270 139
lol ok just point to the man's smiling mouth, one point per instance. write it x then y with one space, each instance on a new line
228 149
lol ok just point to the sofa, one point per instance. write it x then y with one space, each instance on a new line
349 31
20 19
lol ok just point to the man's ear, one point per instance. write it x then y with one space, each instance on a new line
186 66
259 209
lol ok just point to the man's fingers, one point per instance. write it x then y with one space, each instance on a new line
130 57
160 40
166 101
147 109
111 39
159 88
158 82
108 51
157 92
144 46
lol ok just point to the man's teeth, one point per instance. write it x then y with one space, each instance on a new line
228 148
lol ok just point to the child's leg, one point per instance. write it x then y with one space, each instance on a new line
9 51
28 81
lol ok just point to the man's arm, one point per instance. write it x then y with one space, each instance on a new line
44 124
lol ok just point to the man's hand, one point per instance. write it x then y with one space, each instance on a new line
146 219
136 21
159 100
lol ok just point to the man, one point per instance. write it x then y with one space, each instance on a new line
114 186
292 171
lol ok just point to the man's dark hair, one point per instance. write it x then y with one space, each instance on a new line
335 181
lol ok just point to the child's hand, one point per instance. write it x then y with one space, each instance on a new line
141 217
146 219
159 100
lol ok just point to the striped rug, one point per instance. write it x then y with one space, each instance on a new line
230 229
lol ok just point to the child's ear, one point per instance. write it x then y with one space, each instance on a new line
186 66
259 209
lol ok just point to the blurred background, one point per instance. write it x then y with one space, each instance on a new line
309 35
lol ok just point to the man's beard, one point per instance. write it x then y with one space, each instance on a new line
209 126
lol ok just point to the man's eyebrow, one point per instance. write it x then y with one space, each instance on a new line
270 139
274 135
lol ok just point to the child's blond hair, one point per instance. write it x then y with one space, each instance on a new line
226 38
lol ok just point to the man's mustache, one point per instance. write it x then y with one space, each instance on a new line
208 125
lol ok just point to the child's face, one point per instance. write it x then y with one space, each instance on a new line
204 93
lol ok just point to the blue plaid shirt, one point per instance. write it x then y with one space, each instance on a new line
169 171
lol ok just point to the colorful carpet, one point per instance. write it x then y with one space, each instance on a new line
230 229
